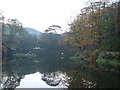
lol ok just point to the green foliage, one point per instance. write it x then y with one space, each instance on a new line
109 60
95 33
109 64
113 44
110 55
75 58
79 58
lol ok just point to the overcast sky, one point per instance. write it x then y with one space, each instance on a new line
40 14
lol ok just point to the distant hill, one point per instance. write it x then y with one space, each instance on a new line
29 30
33 31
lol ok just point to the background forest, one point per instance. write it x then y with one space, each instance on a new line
93 40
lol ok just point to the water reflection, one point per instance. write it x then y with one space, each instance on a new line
29 73
56 78
37 81
33 81
90 78
10 81
40 73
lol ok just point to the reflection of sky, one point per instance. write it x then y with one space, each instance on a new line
34 81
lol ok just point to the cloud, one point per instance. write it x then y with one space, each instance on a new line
40 14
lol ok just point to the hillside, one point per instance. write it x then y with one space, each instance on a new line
33 31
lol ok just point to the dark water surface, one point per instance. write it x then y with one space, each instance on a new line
39 73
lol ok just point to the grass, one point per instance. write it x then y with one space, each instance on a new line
24 55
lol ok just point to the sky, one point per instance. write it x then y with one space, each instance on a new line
40 14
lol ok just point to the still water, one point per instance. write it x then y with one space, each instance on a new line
29 73
39 73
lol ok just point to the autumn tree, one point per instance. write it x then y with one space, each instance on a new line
95 28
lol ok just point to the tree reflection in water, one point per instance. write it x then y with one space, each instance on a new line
15 70
90 78
10 82
56 78
9 79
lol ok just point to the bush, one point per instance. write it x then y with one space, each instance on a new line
75 58
108 64
109 55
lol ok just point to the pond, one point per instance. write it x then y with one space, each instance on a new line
29 73
39 73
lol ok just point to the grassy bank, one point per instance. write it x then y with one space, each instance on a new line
109 61
24 55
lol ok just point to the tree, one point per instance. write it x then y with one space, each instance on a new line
95 29
55 29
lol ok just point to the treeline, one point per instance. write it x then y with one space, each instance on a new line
46 47
95 34
93 38
15 37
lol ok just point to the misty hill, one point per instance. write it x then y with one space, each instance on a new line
33 31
